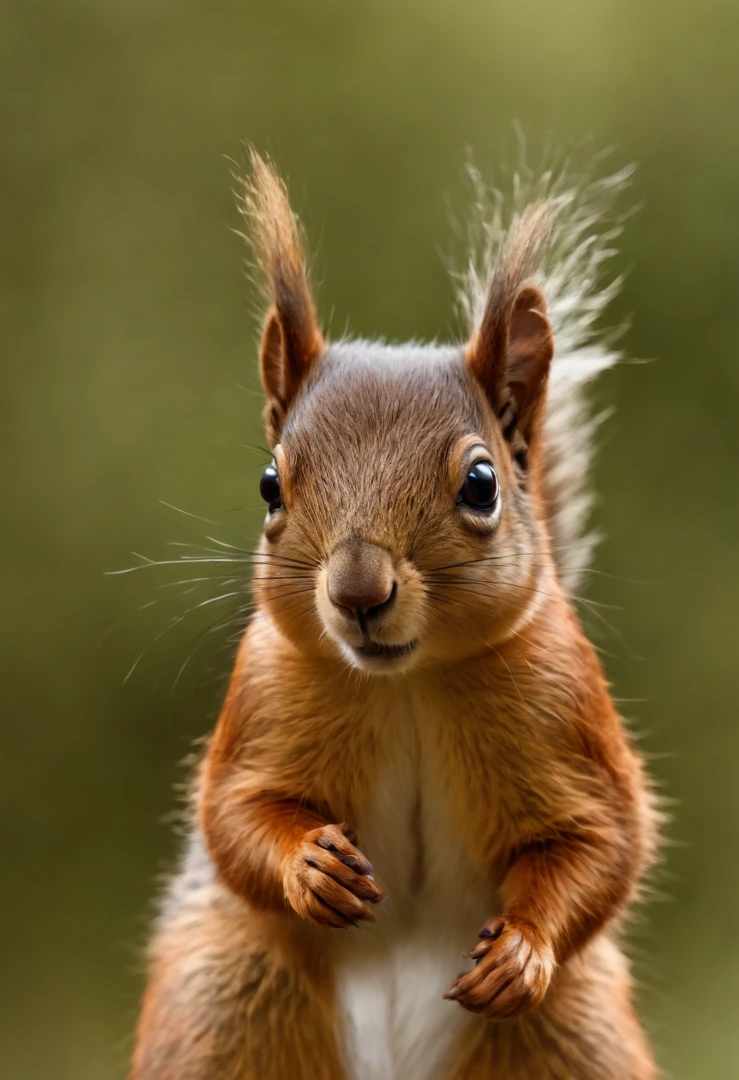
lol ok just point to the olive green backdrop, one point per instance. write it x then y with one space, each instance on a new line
129 363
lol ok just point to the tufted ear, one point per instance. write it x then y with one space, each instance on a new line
510 357
512 348
291 340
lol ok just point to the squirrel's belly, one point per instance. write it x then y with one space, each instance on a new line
391 976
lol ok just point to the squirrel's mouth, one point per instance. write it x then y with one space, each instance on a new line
372 650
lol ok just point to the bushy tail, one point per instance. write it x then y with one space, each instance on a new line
581 229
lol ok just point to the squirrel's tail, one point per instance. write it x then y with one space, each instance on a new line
581 229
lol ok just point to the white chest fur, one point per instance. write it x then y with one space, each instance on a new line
391 976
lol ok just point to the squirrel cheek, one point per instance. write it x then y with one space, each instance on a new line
407 619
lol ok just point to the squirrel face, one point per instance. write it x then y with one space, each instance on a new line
405 523
402 511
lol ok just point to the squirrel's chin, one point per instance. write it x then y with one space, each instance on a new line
377 659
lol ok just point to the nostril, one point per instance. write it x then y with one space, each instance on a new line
363 604
346 608
378 609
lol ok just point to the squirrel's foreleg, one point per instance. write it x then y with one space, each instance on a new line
558 893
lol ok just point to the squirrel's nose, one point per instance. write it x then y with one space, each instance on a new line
361 578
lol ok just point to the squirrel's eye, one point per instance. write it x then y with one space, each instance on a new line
480 489
269 488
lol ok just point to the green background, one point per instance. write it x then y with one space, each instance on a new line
129 363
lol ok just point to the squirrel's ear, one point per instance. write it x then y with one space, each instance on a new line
510 357
291 340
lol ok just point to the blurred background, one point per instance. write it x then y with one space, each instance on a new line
128 357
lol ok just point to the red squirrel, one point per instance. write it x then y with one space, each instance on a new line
418 758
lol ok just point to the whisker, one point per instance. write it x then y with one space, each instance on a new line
231 547
214 627
592 605
282 577
176 621
149 563
496 558
528 588
206 550
489 585
283 592
514 632
198 517
285 558
190 581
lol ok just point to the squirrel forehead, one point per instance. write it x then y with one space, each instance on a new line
402 397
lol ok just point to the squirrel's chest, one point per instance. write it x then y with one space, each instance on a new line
392 975
412 824
417 818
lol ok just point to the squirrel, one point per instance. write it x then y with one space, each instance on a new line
418 758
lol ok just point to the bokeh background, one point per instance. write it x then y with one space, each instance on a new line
129 377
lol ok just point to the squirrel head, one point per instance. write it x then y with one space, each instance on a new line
406 523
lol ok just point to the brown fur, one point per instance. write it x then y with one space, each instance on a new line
502 701
291 341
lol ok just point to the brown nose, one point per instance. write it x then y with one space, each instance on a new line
361 578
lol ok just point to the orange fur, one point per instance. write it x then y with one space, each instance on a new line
476 747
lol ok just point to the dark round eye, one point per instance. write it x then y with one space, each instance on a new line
269 488
480 489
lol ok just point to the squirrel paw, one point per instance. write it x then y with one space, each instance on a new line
328 880
514 964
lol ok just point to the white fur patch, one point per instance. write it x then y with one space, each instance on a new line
391 976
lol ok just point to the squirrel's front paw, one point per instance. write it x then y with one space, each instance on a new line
513 967
329 881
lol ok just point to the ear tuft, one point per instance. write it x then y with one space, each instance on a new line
292 340
511 351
